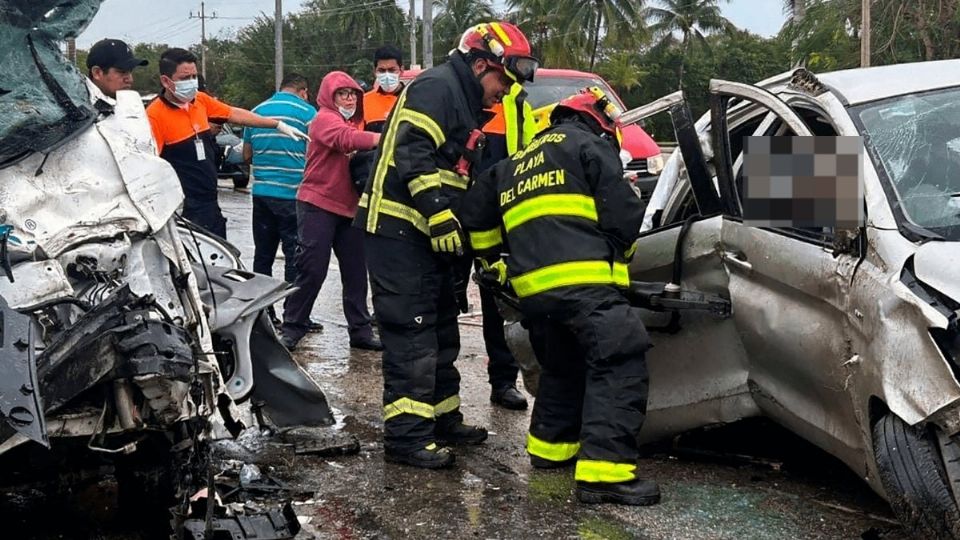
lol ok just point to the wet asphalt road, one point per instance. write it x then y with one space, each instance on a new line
751 480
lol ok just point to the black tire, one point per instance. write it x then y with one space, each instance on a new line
912 473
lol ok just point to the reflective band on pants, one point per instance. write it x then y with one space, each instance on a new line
571 273
448 405
589 470
408 406
551 451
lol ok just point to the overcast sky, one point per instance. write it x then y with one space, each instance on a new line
168 21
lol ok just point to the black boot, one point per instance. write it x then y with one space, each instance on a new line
542 463
636 492
431 457
460 434
508 398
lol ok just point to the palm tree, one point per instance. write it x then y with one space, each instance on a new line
692 19
455 16
795 9
611 17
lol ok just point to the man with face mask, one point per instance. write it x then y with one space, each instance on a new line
414 242
180 118
377 103
326 204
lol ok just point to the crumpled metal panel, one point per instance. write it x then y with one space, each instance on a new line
72 201
35 283
20 405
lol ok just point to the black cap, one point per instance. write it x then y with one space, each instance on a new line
113 53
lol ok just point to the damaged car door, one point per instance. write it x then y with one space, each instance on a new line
788 285
682 260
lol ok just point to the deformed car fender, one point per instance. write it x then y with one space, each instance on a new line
20 404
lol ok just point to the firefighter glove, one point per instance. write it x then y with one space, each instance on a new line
446 235
495 271
631 251
292 132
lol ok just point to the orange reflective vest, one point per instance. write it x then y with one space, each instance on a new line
376 107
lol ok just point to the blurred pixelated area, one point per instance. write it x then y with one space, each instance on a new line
803 182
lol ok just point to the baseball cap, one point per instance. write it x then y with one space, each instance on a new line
108 53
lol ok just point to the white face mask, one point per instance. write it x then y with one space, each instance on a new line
347 113
186 90
388 81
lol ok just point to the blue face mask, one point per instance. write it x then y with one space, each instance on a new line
186 90
347 113
388 81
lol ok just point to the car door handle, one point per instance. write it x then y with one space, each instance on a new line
738 259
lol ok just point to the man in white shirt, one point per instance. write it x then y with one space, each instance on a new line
110 67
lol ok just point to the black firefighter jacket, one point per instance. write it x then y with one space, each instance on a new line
426 134
569 217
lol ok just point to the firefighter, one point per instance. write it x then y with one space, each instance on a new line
414 241
568 221
509 131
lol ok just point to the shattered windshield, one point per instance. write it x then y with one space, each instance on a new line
43 97
916 141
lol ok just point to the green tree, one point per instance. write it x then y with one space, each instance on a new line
452 18
693 20
617 19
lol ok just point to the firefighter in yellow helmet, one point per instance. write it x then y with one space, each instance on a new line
568 222
414 241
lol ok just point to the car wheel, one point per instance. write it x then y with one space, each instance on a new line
914 475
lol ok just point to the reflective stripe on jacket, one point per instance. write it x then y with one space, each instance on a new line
563 211
425 136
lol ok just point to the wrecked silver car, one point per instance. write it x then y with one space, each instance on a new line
847 337
122 329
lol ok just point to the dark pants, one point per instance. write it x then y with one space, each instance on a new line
319 231
502 369
207 215
275 225
594 383
413 299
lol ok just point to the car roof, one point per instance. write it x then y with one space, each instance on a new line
861 85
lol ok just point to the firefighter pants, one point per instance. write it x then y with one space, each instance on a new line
593 388
416 311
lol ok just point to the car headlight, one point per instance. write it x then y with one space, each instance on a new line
655 164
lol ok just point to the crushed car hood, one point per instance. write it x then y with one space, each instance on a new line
937 264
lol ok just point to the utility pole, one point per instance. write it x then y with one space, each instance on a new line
427 34
413 32
865 34
203 36
278 45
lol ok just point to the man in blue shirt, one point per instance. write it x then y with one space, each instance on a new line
277 171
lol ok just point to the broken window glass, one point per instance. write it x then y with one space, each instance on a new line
916 141
43 98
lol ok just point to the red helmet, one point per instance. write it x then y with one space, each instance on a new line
594 102
504 43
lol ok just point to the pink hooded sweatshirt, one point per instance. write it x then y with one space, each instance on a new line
326 177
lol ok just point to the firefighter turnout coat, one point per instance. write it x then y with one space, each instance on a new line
568 217
414 177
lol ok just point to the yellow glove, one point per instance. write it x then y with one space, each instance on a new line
631 251
497 270
446 235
